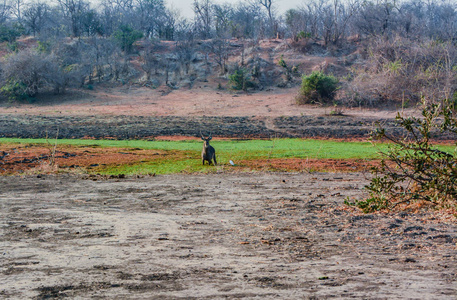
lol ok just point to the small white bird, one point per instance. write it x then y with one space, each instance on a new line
231 162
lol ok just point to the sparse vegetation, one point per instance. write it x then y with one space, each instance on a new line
29 71
413 169
393 50
400 69
184 156
86 216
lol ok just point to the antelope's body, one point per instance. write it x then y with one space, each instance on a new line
208 152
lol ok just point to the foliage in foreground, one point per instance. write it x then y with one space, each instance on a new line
413 169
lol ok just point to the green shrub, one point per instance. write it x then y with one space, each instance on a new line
303 35
12 46
44 47
317 88
413 169
241 80
10 33
15 91
282 63
126 36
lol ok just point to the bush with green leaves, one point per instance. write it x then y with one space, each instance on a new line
15 90
303 35
241 80
317 88
282 62
413 169
9 33
126 36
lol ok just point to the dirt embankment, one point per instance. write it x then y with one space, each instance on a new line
269 236
134 127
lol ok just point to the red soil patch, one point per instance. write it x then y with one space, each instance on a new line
37 158
323 165
29 159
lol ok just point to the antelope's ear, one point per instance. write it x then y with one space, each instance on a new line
210 138
203 138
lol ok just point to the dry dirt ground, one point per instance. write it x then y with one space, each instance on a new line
163 101
244 235
224 235
146 113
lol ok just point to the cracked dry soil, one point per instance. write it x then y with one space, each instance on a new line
219 236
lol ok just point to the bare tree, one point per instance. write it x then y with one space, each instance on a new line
124 5
168 65
337 15
118 65
28 72
379 18
101 49
109 17
5 11
150 61
90 23
73 10
171 19
35 17
268 4
247 21
204 17
297 20
151 15
16 8
313 10
442 20
220 49
222 15
185 51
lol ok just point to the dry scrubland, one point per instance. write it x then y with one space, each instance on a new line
104 72
225 235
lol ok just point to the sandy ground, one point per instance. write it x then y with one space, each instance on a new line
134 101
220 236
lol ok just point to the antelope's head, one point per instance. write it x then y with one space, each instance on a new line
206 140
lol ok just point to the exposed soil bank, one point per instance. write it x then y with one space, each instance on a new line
135 127
272 235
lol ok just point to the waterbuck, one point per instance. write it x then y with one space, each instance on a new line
208 152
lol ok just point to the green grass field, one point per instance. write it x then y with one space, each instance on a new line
185 155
